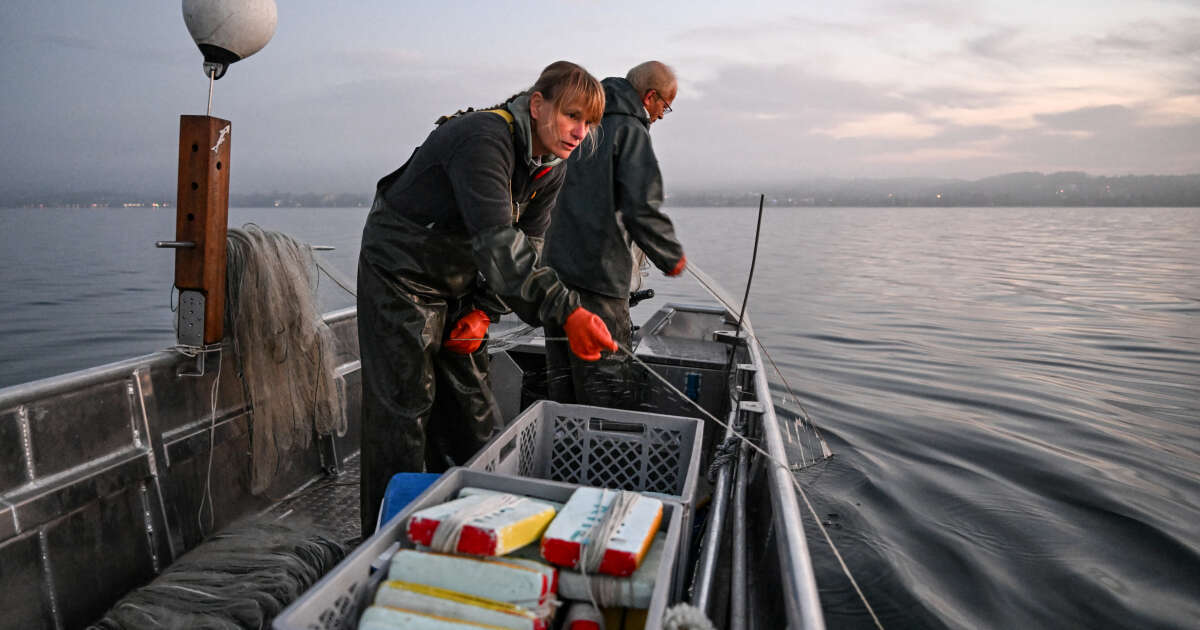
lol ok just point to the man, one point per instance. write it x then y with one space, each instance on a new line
609 202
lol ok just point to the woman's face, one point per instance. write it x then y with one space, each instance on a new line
556 131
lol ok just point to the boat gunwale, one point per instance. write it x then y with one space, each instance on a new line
15 395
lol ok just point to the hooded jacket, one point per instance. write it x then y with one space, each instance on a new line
610 199
471 202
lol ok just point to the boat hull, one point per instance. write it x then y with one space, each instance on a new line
111 473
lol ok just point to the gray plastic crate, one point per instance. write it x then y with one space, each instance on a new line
338 600
601 447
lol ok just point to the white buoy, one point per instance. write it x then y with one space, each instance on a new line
229 30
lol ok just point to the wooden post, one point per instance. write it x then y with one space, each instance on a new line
202 216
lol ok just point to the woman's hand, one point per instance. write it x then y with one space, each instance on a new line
468 333
587 335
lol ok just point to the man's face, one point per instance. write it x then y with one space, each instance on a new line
657 104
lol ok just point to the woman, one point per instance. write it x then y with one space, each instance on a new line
449 244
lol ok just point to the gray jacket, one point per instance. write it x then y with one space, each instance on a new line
610 199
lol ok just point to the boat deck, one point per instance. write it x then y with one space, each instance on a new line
330 502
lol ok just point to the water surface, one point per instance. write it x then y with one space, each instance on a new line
1012 394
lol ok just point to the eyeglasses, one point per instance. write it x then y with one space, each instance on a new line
666 106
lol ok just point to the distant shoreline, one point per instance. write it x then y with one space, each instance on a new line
748 206
1067 189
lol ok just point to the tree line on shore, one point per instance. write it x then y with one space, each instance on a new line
1014 189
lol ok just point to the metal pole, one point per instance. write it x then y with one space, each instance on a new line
795 565
701 593
738 591
212 76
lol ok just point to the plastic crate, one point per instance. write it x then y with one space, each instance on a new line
337 601
596 446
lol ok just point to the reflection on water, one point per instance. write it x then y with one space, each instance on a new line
1012 394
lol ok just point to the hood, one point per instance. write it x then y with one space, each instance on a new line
523 129
621 98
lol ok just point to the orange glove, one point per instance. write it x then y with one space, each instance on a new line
468 333
679 267
587 334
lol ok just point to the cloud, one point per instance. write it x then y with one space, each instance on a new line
1153 38
885 125
998 45
1175 110
854 89
942 14
1089 118
936 155
740 33
806 124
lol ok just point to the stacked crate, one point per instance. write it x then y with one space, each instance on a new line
546 453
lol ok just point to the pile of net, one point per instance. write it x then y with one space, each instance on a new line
284 348
240 578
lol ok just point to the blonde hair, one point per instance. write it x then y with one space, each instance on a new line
562 83
565 83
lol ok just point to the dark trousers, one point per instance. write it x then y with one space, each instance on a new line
423 408
607 382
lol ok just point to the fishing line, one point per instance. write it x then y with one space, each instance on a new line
344 282
713 289
796 483
336 276
212 431
734 432
825 452
708 286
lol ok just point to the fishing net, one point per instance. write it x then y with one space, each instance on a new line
284 349
240 578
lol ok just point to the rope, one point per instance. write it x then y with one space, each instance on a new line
607 590
777 462
346 284
684 616
807 422
448 532
601 532
710 286
212 432
696 272
725 452
591 550
336 276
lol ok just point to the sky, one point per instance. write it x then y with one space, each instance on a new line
769 92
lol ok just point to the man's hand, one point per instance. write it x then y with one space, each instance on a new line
679 267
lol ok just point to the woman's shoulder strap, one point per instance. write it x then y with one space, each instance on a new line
499 111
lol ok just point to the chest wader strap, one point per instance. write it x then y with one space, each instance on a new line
506 115
508 118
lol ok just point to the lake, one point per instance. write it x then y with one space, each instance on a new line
1012 394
